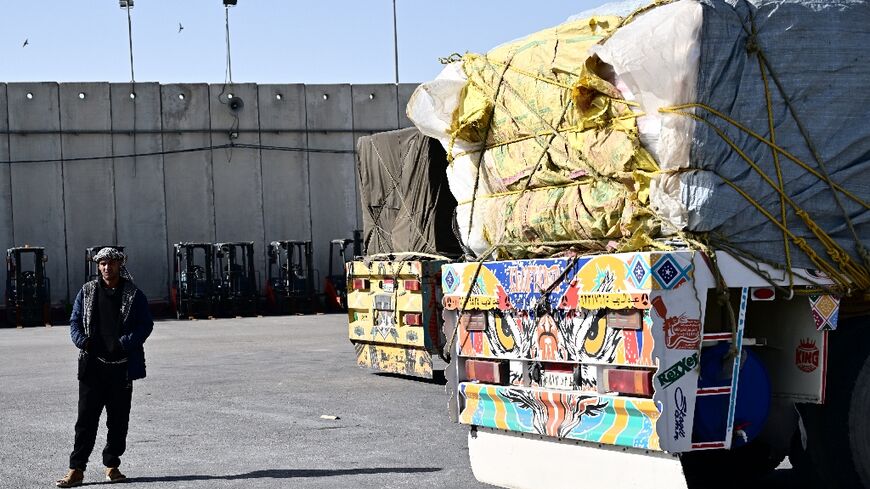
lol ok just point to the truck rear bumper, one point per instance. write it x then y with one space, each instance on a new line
524 461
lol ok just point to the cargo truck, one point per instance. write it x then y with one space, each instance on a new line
620 369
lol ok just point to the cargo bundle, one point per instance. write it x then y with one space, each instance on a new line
712 124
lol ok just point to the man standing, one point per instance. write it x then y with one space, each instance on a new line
110 322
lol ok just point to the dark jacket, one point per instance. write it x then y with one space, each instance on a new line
136 324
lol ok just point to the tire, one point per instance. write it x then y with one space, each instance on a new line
838 428
859 425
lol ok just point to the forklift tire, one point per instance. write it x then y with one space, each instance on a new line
859 424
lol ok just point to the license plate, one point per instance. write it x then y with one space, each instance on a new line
383 302
557 380
625 319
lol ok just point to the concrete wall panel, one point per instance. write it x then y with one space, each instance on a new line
89 195
188 176
6 228
238 184
140 204
286 207
37 188
147 203
405 91
332 179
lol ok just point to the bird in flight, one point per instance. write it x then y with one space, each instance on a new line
180 27
26 42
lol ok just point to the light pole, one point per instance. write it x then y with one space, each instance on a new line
127 5
395 43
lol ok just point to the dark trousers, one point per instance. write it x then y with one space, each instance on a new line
102 385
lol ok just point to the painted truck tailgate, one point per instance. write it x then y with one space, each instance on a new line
394 314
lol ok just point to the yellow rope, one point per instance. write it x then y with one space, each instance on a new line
678 110
781 188
859 276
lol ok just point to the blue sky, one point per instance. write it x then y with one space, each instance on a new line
273 41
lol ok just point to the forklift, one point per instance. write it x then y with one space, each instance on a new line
91 272
193 290
290 284
28 290
237 282
335 287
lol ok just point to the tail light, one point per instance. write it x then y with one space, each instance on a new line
412 285
624 381
486 371
360 284
763 293
412 319
473 321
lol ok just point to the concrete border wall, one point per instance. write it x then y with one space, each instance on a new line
68 180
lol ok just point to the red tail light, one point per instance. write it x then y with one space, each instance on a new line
486 372
412 285
360 284
412 319
624 381
763 293
473 321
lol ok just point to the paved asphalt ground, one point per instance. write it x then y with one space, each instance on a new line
237 403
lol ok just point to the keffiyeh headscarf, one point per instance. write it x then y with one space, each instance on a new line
109 253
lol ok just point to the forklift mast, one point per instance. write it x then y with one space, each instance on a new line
193 288
28 289
236 277
290 283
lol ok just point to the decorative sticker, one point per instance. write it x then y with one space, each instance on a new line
676 371
807 356
681 332
681 409
826 311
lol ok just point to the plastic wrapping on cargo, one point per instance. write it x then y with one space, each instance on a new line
729 131
655 59
405 201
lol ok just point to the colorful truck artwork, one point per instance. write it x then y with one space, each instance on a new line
623 350
393 315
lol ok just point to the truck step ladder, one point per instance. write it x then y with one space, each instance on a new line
731 390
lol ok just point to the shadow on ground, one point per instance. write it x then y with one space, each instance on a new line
437 377
287 474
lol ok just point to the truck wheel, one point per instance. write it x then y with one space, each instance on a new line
859 424
838 433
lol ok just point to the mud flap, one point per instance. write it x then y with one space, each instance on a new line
522 461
